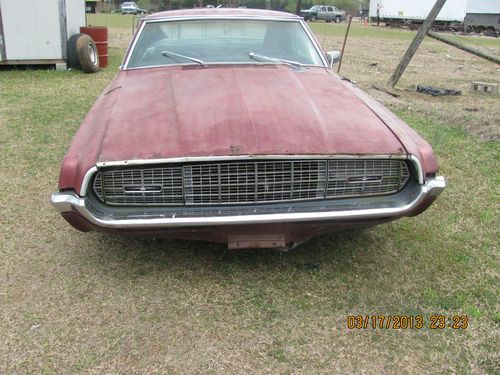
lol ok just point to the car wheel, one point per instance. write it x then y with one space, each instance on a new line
337 19
313 18
72 54
88 56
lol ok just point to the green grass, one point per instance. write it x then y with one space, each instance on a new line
476 40
116 21
107 305
358 30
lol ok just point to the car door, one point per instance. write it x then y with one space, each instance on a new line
322 13
330 12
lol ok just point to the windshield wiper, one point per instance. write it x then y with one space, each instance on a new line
263 58
173 55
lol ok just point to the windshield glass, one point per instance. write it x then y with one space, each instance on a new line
222 41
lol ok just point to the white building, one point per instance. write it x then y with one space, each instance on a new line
37 32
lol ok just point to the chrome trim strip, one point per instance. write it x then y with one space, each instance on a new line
242 157
86 181
131 46
420 173
70 202
315 42
144 21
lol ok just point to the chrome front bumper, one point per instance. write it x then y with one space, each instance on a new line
70 202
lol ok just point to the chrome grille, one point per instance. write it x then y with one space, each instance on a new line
255 182
246 182
348 178
151 186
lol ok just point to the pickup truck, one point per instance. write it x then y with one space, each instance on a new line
323 12
129 7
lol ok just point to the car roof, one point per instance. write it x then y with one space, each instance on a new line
223 12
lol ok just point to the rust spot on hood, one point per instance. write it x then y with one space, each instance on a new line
236 149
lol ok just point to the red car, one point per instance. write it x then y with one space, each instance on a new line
229 125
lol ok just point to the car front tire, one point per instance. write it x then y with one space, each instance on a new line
88 56
72 54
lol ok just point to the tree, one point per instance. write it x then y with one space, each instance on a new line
350 6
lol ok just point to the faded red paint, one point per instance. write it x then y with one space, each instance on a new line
227 110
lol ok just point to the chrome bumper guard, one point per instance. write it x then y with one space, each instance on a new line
70 202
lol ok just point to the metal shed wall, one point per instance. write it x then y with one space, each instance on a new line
34 30
75 11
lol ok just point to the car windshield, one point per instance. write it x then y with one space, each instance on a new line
222 41
315 7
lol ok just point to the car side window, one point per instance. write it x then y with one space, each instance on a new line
330 9
322 9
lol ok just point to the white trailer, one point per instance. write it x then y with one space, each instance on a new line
411 10
37 32
483 15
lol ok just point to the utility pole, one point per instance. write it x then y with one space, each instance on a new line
422 32
298 7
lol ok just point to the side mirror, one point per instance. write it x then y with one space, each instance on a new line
333 57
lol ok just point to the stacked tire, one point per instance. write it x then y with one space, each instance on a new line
82 53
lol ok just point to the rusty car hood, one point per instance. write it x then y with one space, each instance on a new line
192 111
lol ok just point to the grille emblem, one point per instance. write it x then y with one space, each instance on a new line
142 188
364 179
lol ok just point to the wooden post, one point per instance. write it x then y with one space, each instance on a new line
345 41
463 47
422 32
378 14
